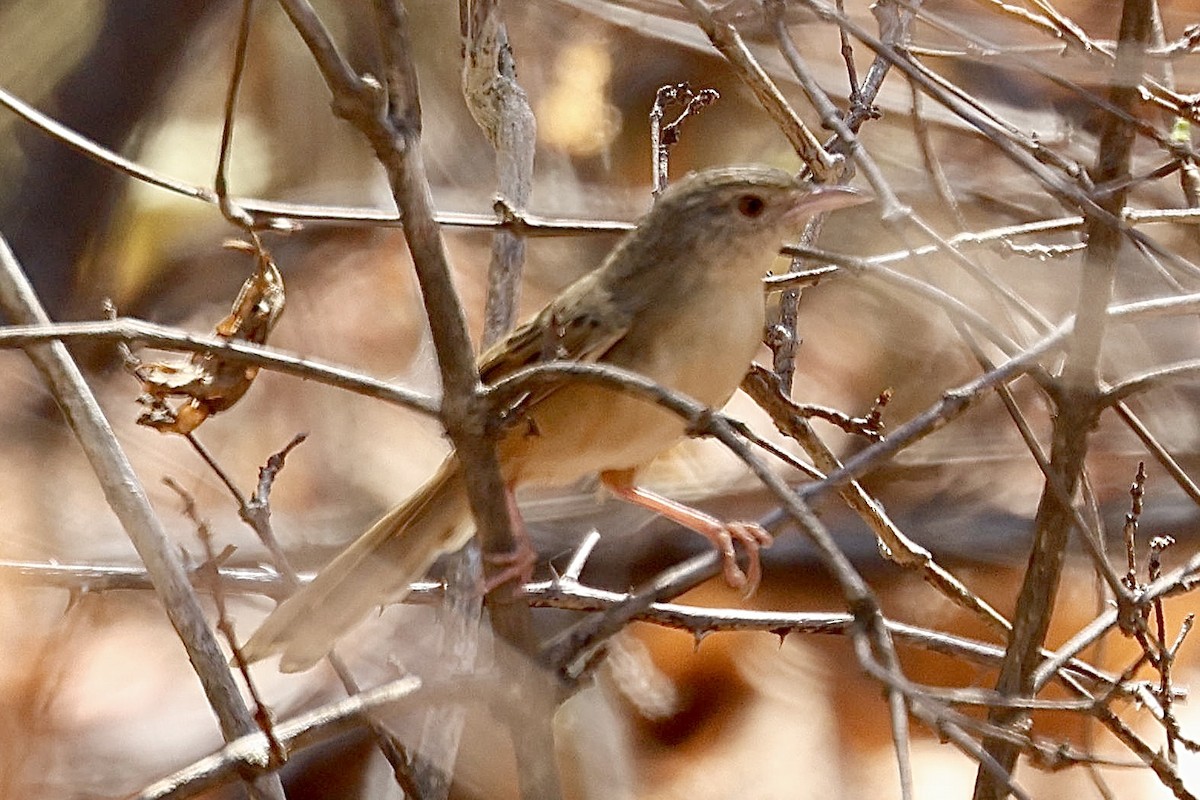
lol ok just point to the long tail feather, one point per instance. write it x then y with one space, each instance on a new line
377 568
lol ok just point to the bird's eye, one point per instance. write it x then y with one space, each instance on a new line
750 205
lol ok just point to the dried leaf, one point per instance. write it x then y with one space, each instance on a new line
210 383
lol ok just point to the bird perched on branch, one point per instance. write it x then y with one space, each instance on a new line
678 300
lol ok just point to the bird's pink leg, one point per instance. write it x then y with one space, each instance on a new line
517 565
752 536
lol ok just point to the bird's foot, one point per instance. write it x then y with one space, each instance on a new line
516 565
752 537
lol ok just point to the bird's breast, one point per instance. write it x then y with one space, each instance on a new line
701 348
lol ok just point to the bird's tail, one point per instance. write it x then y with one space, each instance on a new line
375 569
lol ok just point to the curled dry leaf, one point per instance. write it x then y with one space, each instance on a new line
209 383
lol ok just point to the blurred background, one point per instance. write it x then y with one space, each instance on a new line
96 695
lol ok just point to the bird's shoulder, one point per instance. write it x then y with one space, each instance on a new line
581 324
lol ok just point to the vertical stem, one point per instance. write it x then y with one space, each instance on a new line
1078 398
465 409
500 107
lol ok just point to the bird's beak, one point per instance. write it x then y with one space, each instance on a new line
821 197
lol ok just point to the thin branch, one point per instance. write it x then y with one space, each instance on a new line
576 648
136 331
250 755
256 512
229 209
501 109
896 546
831 118
729 42
289 216
569 594
99 153
1152 379
1097 101
664 137
871 268
783 338
207 572
957 400
88 578
1025 152
872 642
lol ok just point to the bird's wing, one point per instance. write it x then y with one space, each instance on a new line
582 324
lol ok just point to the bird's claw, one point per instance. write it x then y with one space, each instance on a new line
753 538
516 565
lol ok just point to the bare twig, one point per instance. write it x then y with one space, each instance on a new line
208 573
1025 152
568 593
256 512
288 216
958 399
764 388
664 137
729 42
229 209
501 109
250 754
125 329
575 649
1136 492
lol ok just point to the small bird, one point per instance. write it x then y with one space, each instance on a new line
679 300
